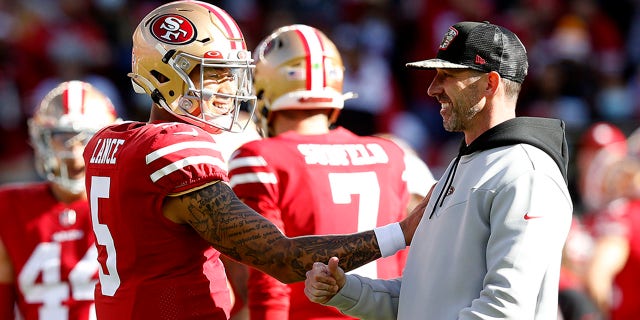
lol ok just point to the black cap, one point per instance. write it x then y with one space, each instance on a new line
480 46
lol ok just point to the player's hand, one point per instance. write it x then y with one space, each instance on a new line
410 223
324 281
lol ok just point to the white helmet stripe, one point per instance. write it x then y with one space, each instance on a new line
230 26
74 98
315 58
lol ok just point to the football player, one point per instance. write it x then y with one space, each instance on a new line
590 159
612 272
307 178
158 190
48 266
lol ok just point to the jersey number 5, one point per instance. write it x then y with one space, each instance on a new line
110 281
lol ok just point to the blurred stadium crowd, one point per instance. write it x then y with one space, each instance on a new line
584 60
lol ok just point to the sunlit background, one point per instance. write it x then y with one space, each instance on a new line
584 60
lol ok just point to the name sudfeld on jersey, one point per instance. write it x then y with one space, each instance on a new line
105 151
343 154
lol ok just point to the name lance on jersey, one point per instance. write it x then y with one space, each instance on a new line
343 154
105 151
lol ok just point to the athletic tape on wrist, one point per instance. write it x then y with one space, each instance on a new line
390 239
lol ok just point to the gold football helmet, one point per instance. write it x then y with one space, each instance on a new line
64 121
180 41
297 67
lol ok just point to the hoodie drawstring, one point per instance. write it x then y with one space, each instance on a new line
447 184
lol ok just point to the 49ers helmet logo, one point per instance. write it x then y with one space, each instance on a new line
173 29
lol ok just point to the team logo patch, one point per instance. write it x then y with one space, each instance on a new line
450 191
448 37
173 29
67 217
295 73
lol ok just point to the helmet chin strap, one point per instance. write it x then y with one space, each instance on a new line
144 86
263 125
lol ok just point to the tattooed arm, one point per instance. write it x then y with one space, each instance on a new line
239 232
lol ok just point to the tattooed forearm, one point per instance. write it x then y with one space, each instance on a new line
222 219
244 235
354 250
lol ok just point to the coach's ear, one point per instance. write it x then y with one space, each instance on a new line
493 82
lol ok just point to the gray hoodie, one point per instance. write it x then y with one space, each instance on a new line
490 243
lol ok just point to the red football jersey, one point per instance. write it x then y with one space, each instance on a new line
51 246
326 184
151 267
623 219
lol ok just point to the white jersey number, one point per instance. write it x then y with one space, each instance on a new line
110 282
364 184
51 291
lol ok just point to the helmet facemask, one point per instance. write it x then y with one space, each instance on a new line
59 157
215 92
67 117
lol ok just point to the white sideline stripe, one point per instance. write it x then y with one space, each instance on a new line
254 161
179 146
261 177
188 161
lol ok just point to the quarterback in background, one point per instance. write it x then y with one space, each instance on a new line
48 266
307 178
